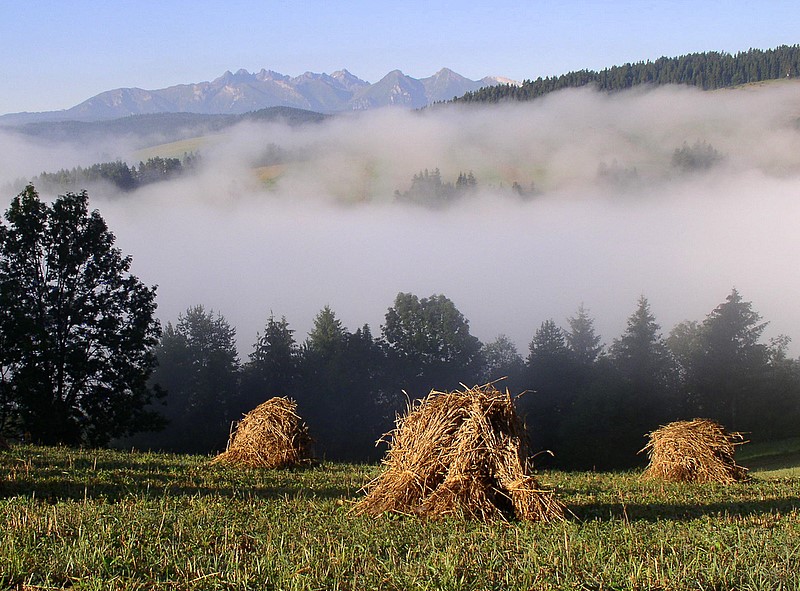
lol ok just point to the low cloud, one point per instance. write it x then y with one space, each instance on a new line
611 217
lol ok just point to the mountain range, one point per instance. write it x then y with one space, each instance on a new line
242 92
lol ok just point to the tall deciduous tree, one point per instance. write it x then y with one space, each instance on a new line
501 360
78 329
431 341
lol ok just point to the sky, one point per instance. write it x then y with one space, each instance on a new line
54 55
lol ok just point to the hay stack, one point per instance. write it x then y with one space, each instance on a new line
699 450
460 453
271 435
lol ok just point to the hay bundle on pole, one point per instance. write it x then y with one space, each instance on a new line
272 435
460 453
699 450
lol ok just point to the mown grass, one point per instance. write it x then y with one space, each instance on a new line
772 459
117 520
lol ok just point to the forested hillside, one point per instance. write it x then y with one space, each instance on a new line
707 70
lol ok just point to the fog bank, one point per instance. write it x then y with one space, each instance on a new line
610 216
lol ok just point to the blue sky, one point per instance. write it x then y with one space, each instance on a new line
56 54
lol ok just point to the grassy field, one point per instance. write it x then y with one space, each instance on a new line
178 149
117 520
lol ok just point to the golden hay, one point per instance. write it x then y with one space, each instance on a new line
460 453
271 435
699 450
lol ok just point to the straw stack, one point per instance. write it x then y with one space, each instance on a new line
460 453
699 450
270 436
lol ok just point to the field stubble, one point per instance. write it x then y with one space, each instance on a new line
88 519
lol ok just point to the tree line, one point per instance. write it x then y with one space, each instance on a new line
117 173
428 188
706 70
83 361
588 403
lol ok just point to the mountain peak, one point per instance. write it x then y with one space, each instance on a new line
228 77
270 75
243 91
347 81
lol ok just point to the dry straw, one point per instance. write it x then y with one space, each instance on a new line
270 436
460 453
699 450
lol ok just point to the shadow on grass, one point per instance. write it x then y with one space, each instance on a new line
59 490
58 483
774 462
681 511
111 493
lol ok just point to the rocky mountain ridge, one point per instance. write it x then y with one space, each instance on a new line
243 91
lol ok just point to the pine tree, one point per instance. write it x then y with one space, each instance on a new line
581 338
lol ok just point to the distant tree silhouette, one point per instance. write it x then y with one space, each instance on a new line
198 366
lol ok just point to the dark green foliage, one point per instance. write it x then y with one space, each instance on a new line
698 156
604 426
118 173
427 188
549 342
342 394
157 169
640 354
273 368
709 70
591 407
645 368
732 377
77 330
430 342
552 383
581 338
502 361
593 414
198 367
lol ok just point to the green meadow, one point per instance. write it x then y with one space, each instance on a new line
103 519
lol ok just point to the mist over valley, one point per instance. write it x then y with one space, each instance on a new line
579 198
